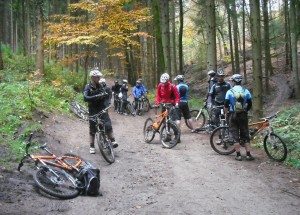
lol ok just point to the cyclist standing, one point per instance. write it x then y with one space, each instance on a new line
184 110
168 93
137 92
211 81
238 102
116 90
217 93
124 90
97 97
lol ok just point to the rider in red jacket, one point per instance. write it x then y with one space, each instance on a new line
166 91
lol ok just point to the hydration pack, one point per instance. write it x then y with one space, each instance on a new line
91 178
239 100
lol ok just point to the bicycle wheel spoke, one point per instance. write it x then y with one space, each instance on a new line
221 142
275 147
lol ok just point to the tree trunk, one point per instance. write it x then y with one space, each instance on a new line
256 53
40 40
173 39
235 38
180 35
294 40
1 59
164 23
229 33
268 63
211 35
287 30
244 45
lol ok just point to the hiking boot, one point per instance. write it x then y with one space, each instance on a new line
114 144
125 114
92 150
173 141
238 158
219 142
250 158
194 131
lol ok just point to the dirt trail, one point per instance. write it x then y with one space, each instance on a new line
147 179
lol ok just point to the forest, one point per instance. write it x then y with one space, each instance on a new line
48 47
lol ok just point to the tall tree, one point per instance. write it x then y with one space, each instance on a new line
173 38
229 33
235 37
180 35
268 62
294 40
165 30
1 59
40 38
256 53
244 43
211 35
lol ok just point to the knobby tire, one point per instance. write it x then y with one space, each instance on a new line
62 187
220 141
105 148
275 147
148 131
174 135
199 122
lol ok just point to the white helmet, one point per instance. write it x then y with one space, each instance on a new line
102 80
125 81
164 78
179 78
236 78
211 72
95 73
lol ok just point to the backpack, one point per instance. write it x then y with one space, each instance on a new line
90 176
239 100
182 91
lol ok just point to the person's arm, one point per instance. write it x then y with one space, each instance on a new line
176 94
157 99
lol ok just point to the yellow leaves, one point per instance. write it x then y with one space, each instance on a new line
56 83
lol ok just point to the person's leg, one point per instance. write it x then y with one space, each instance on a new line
109 129
92 136
244 134
234 134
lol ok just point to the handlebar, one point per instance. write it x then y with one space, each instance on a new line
100 113
270 117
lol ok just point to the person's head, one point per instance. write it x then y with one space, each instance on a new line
125 81
102 81
236 79
141 80
138 83
221 75
179 78
164 78
211 73
95 75
116 82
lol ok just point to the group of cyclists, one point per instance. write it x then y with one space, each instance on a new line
236 100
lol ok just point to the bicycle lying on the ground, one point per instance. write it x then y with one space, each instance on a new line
79 110
56 175
143 105
126 107
101 138
274 145
168 130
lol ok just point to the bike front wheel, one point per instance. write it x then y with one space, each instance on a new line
146 106
221 142
169 135
56 183
149 131
130 109
105 148
275 147
198 119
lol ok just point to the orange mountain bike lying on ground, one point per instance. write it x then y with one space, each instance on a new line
168 130
55 175
274 145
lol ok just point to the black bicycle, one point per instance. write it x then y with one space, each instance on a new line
79 110
143 105
101 138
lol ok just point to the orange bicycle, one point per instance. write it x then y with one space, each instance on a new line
274 145
168 130
55 175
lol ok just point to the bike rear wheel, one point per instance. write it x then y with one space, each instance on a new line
130 109
149 131
169 139
275 147
60 184
146 106
105 147
199 121
220 141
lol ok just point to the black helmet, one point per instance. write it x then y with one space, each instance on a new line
179 78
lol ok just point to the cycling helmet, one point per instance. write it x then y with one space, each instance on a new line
125 81
211 72
236 78
164 78
220 73
138 81
179 78
95 73
102 80
116 81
